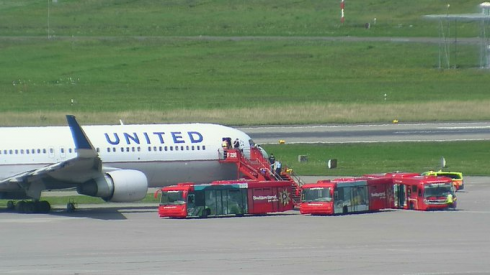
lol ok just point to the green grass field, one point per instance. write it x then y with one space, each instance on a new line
227 18
144 61
152 61
470 157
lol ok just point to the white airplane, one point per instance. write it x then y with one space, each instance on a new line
114 162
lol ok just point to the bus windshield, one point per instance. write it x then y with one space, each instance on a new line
316 194
172 198
437 190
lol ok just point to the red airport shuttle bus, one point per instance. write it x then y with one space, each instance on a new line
375 192
423 192
345 195
225 198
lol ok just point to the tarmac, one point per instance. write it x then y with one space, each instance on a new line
132 239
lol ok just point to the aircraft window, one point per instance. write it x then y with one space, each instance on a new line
192 147
22 151
113 149
33 151
44 151
108 150
63 150
181 148
154 148
132 149
11 152
98 149
198 148
127 149
122 149
27 151
5 151
16 152
171 148
51 150
166 148
176 148
160 148
139 149
204 147
149 148
39 151
69 150
187 147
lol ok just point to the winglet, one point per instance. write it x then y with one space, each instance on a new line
82 143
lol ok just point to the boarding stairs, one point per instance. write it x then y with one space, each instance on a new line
258 168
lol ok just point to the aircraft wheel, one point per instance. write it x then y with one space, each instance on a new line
29 207
43 207
20 207
10 205
70 207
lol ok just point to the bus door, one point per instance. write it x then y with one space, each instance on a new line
342 199
214 202
399 191
359 201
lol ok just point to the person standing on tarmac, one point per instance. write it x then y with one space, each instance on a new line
450 201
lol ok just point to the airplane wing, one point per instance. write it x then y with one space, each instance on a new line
85 166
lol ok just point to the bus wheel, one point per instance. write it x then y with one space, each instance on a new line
205 213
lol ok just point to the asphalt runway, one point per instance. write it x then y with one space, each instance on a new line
132 239
368 133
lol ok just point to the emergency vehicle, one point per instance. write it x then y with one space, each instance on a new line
423 192
346 195
225 198
457 177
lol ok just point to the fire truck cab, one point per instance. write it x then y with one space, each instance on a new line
457 177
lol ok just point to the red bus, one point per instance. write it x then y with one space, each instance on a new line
224 198
345 195
423 192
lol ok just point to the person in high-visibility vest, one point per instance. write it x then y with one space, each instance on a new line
225 146
450 201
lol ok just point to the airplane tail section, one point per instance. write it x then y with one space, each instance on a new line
84 147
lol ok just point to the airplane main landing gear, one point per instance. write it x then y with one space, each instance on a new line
71 206
29 207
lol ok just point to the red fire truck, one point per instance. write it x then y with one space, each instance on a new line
224 198
423 192
345 195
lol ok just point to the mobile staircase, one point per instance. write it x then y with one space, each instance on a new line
257 167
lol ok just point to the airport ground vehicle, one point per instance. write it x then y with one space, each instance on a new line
423 192
346 195
457 177
376 192
224 198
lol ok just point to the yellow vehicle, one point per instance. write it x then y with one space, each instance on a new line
457 177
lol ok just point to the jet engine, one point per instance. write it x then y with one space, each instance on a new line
117 186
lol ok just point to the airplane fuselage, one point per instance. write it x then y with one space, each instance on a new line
165 153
